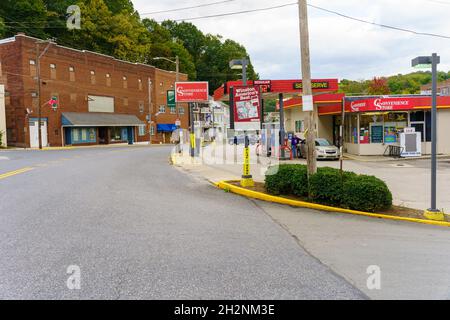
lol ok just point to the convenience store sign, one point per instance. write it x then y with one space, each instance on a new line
383 104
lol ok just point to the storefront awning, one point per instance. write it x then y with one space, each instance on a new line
166 127
94 119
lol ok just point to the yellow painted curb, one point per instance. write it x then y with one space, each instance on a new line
436 216
295 203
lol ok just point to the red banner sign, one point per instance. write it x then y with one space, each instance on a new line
191 91
247 111
382 104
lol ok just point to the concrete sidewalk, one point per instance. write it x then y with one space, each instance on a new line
409 180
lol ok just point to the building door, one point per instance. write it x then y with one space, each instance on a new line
103 136
34 133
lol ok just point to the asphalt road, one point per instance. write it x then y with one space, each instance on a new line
141 229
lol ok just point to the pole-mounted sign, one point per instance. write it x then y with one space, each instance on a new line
191 92
247 108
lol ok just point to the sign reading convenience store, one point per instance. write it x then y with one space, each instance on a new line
191 92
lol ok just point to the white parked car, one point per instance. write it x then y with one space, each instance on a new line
325 150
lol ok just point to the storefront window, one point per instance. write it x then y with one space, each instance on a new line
421 121
84 135
116 134
351 129
375 127
364 129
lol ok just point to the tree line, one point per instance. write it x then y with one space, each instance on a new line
115 28
398 84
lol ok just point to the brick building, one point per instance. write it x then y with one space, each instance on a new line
101 100
443 88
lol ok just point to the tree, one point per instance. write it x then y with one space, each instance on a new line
120 35
56 22
351 87
28 16
214 62
114 27
189 35
119 6
2 28
378 86
187 64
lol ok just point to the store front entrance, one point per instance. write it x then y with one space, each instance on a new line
103 135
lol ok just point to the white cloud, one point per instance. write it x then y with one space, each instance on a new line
340 47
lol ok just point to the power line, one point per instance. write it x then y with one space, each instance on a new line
379 24
278 7
236 13
187 8
321 9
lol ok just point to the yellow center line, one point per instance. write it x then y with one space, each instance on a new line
16 172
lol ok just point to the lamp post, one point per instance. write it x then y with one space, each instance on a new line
426 62
38 76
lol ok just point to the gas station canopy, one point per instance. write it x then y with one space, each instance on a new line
272 88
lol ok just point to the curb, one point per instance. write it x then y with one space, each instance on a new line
295 203
387 159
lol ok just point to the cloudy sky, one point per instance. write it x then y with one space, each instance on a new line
340 48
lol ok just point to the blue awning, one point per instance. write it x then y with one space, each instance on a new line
166 127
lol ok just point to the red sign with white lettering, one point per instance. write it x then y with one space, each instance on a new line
382 104
191 92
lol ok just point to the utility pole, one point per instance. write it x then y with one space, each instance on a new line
307 87
150 109
38 75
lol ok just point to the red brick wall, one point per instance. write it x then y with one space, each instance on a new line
21 84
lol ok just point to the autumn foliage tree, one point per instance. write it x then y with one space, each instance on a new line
378 86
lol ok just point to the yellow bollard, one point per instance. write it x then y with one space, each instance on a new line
247 179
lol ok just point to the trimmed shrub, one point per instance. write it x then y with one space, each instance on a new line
287 179
299 181
326 186
366 193
329 187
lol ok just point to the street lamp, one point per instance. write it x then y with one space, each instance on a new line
426 62
240 64
176 61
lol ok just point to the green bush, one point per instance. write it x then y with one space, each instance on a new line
326 186
366 193
299 181
287 179
330 187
